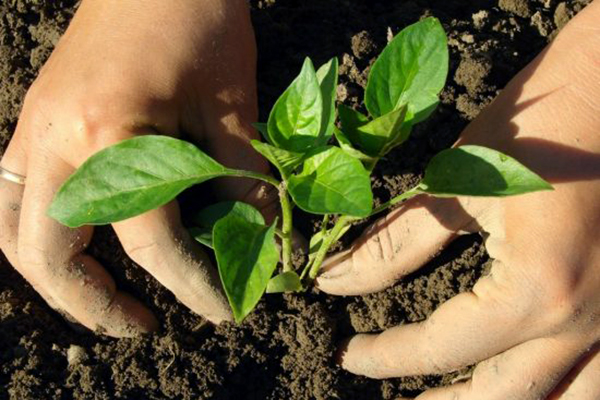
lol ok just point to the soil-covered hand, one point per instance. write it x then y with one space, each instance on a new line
533 324
126 68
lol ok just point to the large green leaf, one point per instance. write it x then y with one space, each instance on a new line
130 178
374 138
208 217
411 71
327 76
246 256
478 171
295 120
332 182
285 161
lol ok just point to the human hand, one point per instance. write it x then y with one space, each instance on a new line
533 324
124 69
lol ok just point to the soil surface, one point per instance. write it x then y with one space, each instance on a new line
284 350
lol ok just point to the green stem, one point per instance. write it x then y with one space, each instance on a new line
254 175
286 212
324 223
404 196
370 166
327 243
286 228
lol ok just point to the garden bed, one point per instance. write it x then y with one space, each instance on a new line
283 350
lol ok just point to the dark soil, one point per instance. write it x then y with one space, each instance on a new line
284 349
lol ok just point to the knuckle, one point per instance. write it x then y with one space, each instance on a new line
36 263
381 244
141 251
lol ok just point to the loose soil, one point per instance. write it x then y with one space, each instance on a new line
284 350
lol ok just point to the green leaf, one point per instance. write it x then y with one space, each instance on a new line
285 161
208 217
411 71
332 182
347 146
327 76
263 129
288 281
478 171
295 120
246 256
202 236
130 178
377 137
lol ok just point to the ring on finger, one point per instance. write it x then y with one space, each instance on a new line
11 176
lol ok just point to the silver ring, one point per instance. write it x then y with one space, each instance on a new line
11 176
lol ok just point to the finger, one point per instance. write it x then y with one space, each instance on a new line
529 371
224 118
398 244
11 197
53 255
468 328
158 242
582 381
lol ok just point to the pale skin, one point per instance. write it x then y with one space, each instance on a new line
126 68
532 325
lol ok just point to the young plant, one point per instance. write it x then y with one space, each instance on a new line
146 172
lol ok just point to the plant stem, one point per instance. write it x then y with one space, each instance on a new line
371 165
254 175
404 196
324 223
286 212
286 228
327 243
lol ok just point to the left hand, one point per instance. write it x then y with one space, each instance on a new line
533 324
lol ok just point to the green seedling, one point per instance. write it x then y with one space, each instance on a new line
403 89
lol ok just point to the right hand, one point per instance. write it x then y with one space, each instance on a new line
126 68
531 325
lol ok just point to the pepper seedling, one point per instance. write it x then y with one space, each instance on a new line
404 84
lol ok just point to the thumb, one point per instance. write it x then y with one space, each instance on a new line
398 244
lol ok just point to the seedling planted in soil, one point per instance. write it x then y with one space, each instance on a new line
146 172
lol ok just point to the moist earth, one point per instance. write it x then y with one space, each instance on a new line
286 348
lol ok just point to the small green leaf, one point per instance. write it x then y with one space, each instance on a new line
374 138
332 182
130 178
327 76
202 236
478 171
208 217
285 161
411 71
295 120
246 256
347 146
351 120
288 281
263 129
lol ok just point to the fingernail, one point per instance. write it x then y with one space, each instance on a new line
337 265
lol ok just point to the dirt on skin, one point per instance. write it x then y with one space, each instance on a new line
284 350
